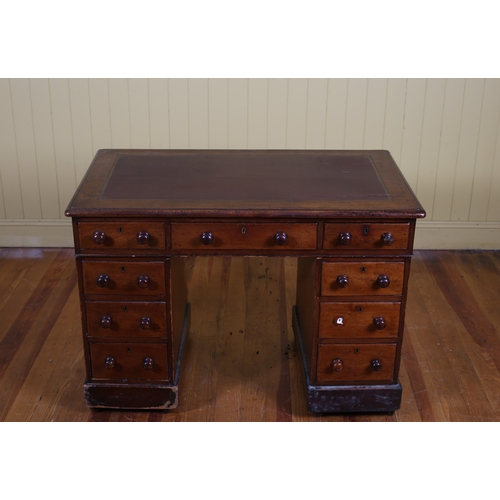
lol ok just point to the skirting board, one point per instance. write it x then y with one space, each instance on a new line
435 235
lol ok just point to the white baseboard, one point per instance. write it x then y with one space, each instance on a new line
446 235
36 233
429 234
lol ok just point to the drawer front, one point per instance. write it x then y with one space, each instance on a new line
126 319
362 278
356 362
236 236
120 278
102 236
359 320
353 236
129 361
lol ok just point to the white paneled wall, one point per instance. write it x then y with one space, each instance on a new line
443 133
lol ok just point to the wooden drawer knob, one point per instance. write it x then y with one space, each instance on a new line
143 281
280 238
342 281
387 239
147 364
376 365
383 281
207 238
337 365
109 363
143 237
106 321
103 280
99 237
379 323
345 238
145 323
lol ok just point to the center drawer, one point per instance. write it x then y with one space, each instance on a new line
241 236
359 320
123 277
126 319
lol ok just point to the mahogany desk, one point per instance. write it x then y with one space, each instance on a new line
349 217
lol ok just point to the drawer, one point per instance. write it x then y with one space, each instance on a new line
366 236
126 319
362 278
359 320
236 236
356 362
120 278
100 236
129 361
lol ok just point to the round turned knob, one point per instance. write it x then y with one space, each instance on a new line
99 237
342 281
345 238
337 365
387 239
109 363
379 323
376 365
207 238
103 280
143 237
280 238
106 321
145 323
147 364
383 281
143 281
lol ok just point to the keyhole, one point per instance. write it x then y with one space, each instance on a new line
123 269
243 230
125 309
357 351
362 269
128 349
366 230
120 230
360 309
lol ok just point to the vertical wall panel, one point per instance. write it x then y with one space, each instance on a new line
488 129
44 147
296 113
316 113
429 147
494 201
63 141
277 113
467 150
238 113
355 113
257 113
218 113
412 131
198 113
375 113
81 125
336 107
139 113
448 150
158 113
99 113
119 111
394 116
11 205
26 154
178 106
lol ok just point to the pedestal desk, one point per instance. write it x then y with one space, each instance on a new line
348 216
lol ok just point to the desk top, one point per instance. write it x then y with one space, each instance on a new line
246 183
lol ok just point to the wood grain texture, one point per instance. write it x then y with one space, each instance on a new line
449 370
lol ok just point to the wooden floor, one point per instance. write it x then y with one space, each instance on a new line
241 362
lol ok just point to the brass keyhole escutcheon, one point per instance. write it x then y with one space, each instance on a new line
243 230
